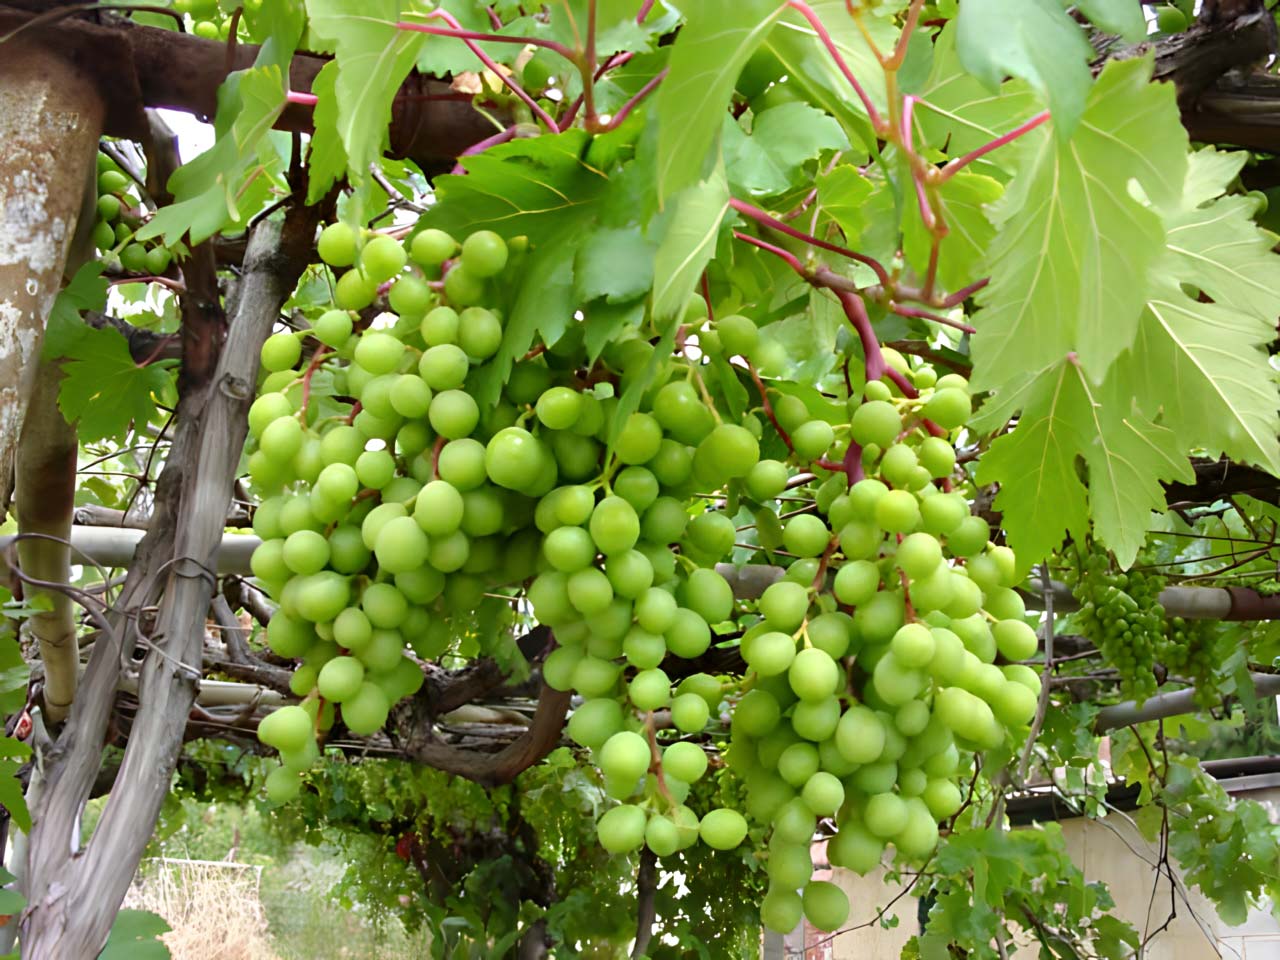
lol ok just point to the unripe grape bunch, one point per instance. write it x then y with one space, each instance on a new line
397 505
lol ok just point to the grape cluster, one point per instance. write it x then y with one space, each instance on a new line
1195 649
874 674
1121 613
397 504
118 217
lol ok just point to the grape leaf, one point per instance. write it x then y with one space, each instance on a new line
782 139
1116 16
617 264
960 112
207 190
809 65
527 187
103 391
1033 39
134 936
14 673
326 156
1041 493
1070 262
963 199
373 58
688 239
706 59
843 193
1066 421
86 291
1204 368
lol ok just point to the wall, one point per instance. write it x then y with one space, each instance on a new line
1114 852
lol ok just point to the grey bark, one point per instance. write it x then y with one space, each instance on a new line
73 894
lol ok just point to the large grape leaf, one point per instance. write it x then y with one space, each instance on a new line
807 62
207 190
373 58
528 187
1068 423
1203 367
782 140
686 237
1033 39
706 59
326 156
1071 260
959 114
1041 493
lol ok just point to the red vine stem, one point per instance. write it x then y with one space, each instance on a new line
825 37
963 294
856 312
306 99
503 136
768 220
644 10
960 162
768 407
484 58
307 374
917 174
458 32
631 104
902 311
786 255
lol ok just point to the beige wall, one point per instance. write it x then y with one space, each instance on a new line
1114 852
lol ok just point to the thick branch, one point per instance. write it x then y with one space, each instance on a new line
1166 705
45 499
646 905
495 769
138 66
48 108
177 558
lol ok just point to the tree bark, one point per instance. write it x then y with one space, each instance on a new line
73 895
50 121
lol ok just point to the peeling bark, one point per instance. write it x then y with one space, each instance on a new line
73 895
50 120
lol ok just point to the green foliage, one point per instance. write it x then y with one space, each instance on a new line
134 935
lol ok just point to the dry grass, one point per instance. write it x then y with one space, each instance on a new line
213 908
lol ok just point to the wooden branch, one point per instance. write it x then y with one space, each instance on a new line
489 769
646 906
138 66
73 898
1174 704
45 498
48 109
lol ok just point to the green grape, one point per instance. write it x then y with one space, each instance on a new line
431 247
281 351
621 829
812 440
484 253
382 258
479 332
723 829
354 291
454 414
337 245
875 421
410 296
463 287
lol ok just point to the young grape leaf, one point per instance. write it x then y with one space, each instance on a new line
706 59
207 190
373 58
782 139
963 199
1073 250
1033 39
843 193
103 390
